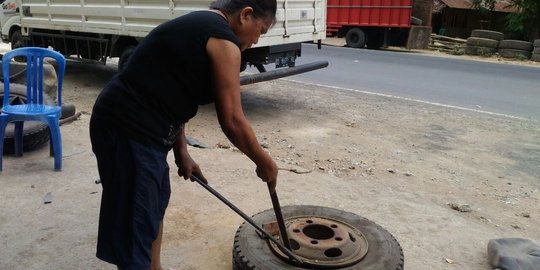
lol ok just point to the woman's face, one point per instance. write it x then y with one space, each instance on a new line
251 28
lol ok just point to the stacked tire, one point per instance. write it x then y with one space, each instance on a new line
515 49
536 51
483 42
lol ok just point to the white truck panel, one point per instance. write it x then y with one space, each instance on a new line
296 20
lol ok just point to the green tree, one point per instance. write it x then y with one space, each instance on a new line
525 22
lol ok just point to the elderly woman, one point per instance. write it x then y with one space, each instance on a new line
140 115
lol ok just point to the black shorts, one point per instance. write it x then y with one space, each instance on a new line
136 191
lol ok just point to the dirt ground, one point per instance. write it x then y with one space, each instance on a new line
399 163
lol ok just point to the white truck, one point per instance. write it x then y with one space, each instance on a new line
101 29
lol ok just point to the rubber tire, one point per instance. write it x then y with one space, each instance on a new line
536 43
535 57
477 50
487 34
67 110
482 42
124 57
511 53
355 38
252 252
16 39
516 45
35 134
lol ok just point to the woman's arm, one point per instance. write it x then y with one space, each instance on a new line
225 60
186 165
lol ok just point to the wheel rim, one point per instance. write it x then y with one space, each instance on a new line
354 38
13 100
323 242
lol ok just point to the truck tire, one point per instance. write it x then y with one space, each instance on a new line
35 134
516 45
124 57
252 252
355 38
482 42
512 53
487 34
479 50
16 39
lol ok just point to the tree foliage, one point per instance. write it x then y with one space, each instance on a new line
525 22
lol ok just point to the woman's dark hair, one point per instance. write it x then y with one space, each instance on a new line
261 8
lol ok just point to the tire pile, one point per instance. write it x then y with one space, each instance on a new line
536 51
483 42
488 43
515 49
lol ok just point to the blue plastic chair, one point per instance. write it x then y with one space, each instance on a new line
35 109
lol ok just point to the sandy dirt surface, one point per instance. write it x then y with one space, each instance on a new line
398 163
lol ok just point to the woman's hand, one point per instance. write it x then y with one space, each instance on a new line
188 167
268 171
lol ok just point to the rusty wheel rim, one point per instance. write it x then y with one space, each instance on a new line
323 242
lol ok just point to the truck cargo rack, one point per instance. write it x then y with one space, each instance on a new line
70 45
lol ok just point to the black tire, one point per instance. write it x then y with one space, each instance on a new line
487 34
355 38
482 42
67 110
35 134
516 45
536 43
124 57
511 53
16 39
535 57
252 252
481 51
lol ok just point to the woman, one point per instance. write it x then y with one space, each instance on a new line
140 115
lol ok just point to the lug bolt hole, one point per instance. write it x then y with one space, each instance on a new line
314 242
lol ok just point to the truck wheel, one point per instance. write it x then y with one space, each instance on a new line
35 133
355 38
252 252
124 57
16 39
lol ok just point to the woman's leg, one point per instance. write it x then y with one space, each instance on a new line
156 250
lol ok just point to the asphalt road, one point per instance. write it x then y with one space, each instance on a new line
512 90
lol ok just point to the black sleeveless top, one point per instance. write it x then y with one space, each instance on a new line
167 78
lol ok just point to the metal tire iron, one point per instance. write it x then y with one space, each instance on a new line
285 247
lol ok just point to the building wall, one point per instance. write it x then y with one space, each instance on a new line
459 23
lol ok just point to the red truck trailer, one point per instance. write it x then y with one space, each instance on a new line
370 22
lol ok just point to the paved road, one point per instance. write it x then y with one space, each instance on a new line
492 87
